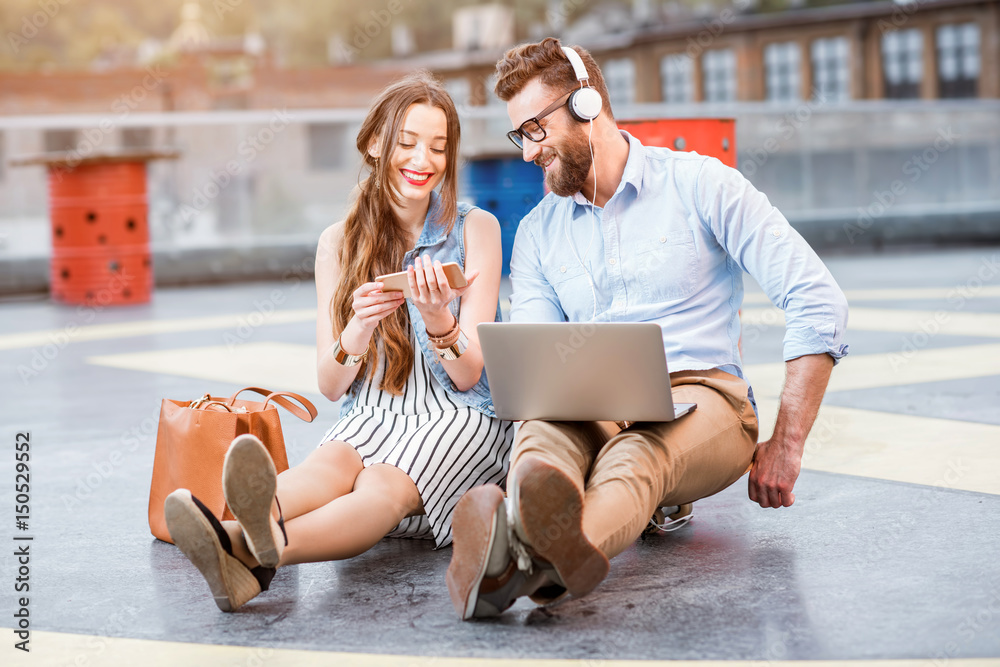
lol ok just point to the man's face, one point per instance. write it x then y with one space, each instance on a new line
564 153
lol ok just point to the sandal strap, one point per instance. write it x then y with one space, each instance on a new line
220 532
264 575
281 520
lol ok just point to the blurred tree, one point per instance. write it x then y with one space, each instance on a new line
301 33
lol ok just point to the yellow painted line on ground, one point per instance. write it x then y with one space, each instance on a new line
277 366
903 293
883 445
74 332
922 325
867 371
903 448
56 649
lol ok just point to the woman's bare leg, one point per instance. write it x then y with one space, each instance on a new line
329 472
353 523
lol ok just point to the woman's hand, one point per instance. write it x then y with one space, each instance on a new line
371 305
431 293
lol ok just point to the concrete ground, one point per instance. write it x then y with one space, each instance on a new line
891 551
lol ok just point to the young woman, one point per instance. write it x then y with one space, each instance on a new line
417 428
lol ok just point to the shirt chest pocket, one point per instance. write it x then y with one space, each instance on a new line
666 267
571 284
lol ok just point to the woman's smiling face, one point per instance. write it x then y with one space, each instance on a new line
418 160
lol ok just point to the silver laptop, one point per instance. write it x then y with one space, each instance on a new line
569 371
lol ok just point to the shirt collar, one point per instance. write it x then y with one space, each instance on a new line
635 166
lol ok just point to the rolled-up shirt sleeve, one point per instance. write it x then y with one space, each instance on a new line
533 298
767 247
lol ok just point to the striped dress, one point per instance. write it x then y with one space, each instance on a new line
445 447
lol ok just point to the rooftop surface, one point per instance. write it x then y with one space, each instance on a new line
889 553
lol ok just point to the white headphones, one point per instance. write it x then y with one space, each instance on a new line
584 104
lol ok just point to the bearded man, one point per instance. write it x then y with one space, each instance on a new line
632 233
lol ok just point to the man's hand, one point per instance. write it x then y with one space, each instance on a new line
775 468
777 462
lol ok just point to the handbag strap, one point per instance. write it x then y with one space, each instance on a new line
307 414
219 404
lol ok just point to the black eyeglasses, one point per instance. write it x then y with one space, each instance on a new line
531 128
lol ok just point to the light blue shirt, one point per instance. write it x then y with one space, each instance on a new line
670 247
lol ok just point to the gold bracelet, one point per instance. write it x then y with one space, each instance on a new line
345 359
456 349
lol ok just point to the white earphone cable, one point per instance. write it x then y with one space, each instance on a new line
593 227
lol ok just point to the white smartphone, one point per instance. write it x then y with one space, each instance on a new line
398 282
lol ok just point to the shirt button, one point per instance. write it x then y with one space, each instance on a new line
776 233
663 239
492 409
562 269
613 260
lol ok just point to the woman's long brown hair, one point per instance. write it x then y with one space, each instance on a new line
374 241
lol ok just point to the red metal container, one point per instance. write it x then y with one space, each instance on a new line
100 235
100 231
715 137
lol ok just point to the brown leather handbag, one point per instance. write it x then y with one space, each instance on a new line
192 439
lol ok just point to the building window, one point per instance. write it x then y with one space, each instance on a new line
958 60
57 141
782 72
830 72
718 72
619 75
903 63
327 146
677 78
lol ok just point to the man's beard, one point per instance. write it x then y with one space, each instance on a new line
574 165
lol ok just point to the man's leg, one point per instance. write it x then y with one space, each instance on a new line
650 465
569 446
553 460
549 467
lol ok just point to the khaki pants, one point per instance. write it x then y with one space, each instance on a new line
626 476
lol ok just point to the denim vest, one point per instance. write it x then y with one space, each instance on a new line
434 241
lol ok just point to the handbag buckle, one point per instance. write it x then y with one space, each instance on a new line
198 403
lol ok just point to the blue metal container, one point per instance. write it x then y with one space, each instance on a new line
506 187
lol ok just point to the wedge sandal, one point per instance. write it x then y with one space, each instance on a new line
249 482
196 531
